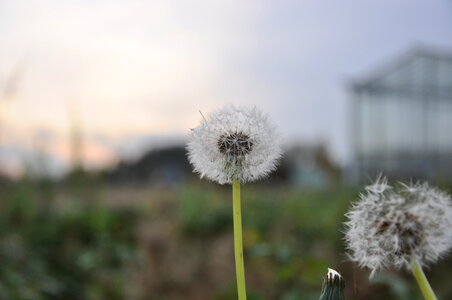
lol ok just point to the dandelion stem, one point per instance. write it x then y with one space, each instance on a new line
421 279
238 243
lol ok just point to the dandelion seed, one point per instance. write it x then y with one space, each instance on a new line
409 226
387 226
234 143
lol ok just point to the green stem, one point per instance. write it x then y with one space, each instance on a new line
422 281
238 243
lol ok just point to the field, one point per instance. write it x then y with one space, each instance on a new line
96 241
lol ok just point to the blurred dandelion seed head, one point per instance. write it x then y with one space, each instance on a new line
389 225
234 143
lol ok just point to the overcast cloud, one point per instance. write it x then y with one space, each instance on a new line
136 68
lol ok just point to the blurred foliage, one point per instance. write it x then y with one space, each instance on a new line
291 236
79 241
202 214
78 250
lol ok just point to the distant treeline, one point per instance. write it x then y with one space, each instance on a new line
170 166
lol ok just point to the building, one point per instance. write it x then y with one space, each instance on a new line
310 166
402 118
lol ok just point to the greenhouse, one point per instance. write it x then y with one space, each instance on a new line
402 117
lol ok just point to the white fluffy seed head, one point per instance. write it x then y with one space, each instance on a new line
234 143
388 226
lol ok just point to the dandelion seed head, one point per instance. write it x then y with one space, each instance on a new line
234 143
387 226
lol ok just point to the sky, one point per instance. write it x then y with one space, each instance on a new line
134 74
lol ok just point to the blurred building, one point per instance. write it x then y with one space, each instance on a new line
402 118
310 166
165 166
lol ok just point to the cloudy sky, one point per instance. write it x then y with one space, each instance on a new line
136 71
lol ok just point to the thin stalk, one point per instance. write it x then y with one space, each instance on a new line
421 279
238 243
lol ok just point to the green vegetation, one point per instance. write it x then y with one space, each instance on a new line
74 251
108 242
